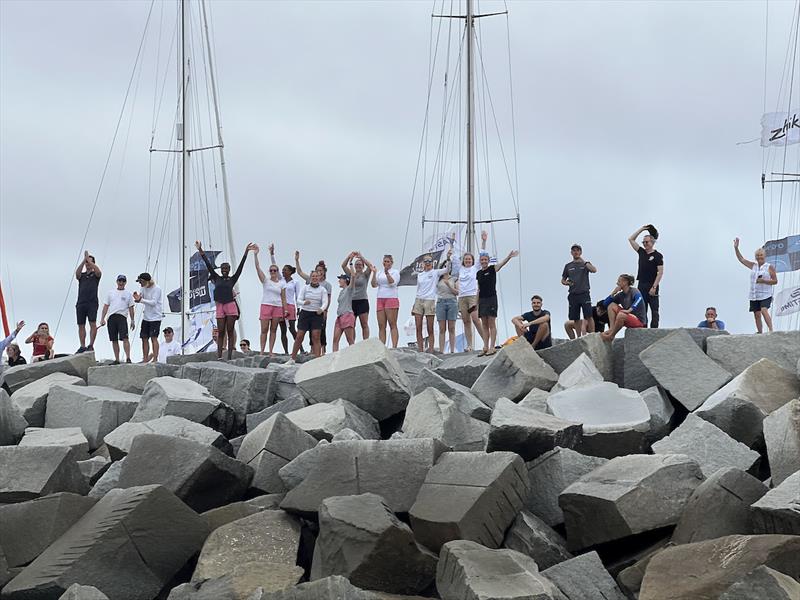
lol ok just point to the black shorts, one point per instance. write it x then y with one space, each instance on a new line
117 328
309 321
149 329
577 303
757 305
86 312
360 307
487 307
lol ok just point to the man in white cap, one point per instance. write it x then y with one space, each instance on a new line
119 302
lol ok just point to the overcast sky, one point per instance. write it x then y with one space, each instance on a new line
626 113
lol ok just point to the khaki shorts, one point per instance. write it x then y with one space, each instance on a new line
426 308
467 304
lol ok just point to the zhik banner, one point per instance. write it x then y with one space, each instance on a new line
787 302
438 247
784 254
780 128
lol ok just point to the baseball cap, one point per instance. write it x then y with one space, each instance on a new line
167 330
144 277
576 247
121 277
345 277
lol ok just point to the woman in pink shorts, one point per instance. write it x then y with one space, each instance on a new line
386 281
345 319
273 303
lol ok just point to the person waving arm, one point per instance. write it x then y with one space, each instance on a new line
504 262
261 276
747 263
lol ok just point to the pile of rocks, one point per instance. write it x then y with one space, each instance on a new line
665 466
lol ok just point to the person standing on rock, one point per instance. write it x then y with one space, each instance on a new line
576 276
487 299
388 307
227 309
273 303
290 290
345 319
312 300
651 270
425 302
322 271
169 347
535 325
468 294
88 275
151 297
762 279
625 307
363 269
711 321
119 302
447 310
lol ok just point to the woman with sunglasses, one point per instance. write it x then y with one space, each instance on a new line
388 307
42 343
291 301
363 268
273 303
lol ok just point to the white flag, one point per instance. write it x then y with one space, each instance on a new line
780 128
787 301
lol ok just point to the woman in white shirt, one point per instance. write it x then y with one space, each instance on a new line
467 283
312 299
762 278
425 302
386 280
273 303
291 293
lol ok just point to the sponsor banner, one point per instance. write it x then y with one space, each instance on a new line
780 128
787 302
200 289
784 254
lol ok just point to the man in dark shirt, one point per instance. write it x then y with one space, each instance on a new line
576 276
651 270
534 325
625 307
88 275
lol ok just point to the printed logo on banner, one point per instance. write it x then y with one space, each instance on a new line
780 128
787 302
784 254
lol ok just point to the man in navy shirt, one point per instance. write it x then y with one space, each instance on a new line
534 325
711 321
576 276
625 307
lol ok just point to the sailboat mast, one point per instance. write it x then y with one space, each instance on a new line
184 178
470 121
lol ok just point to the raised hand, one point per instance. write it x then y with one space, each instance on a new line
198 245
20 325
484 235
254 248
736 243
513 253
272 248
297 254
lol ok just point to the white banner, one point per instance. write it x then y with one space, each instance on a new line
780 128
787 301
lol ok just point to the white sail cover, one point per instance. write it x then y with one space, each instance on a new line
787 301
780 128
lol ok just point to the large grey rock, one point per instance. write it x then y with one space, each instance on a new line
165 396
270 446
463 368
241 583
31 399
331 587
584 578
471 496
284 385
719 506
93 468
618 352
513 372
200 475
683 369
270 536
431 414
661 411
82 592
550 474
393 469
296 470
708 445
528 432
31 472
185 359
296 402
763 582
580 372
365 374
628 495
131 378
96 410
28 528
737 352
561 356
78 365
12 423
128 545
346 435
324 420
533 537
536 399
465 400
246 390
739 407
217 517
782 437
120 440
707 569
71 437
778 511
636 375
361 539
414 362
469 571
108 480
615 420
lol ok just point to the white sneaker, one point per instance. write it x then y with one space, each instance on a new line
290 362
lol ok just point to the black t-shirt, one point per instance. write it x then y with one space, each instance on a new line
487 282
87 288
531 333
600 321
19 361
648 266
578 273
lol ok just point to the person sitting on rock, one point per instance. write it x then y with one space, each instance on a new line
15 357
625 307
534 325
711 321
42 343
599 318
169 347
244 346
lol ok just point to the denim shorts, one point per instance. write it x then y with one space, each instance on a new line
446 309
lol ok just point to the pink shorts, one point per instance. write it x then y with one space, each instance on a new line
292 310
632 321
228 309
384 303
347 320
270 312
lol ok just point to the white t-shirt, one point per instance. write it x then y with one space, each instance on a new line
426 283
291 291
468 281
119 301
760 291
318 297
166 349
152 300
385 289
272 292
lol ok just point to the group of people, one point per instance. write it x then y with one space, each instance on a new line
445 292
